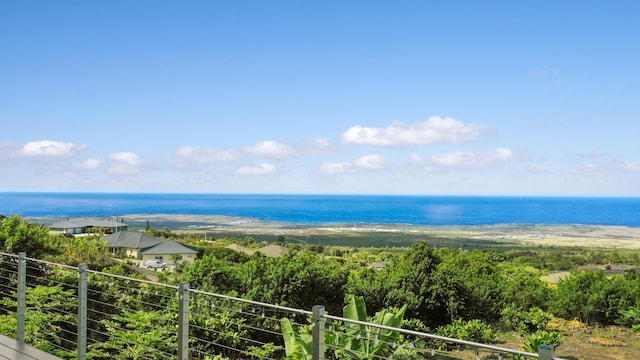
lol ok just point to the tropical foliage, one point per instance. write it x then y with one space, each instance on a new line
468 294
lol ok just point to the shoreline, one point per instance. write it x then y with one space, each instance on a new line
547 235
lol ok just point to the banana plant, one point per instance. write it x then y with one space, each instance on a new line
349 341
298 341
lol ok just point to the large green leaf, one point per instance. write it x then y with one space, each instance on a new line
297 344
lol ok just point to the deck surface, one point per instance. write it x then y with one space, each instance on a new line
10 349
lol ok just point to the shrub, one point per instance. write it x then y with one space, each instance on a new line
533 341
471 330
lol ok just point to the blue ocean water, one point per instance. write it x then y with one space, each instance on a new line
316 209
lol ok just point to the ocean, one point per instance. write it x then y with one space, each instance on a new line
318 209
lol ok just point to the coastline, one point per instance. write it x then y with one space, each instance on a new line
546 235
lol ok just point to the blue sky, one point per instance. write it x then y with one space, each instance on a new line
347 97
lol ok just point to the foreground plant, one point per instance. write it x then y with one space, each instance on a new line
349 341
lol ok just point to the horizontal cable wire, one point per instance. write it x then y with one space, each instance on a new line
115 295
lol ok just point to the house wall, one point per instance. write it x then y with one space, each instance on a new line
72 231
131 253
167 258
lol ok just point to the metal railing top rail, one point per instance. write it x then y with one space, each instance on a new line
298 311
175 287
9 255
252 302
436 337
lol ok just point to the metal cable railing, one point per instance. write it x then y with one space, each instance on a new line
76 313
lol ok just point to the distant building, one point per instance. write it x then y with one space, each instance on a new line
80 226
269 250
142 246
273 250
240 248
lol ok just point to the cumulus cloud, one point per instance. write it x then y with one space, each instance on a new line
587 168
370 162
262 169
336 168
366 162
8 149
89 164
187 155
317 146
49 148
124 163
417 162
434 130
271 149
593 155
471 159
628 165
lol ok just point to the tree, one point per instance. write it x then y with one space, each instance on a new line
135 335
89 250
212 274
299 281
18 235
47 317
522 288
594 298
411 281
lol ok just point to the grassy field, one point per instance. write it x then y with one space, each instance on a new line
385 235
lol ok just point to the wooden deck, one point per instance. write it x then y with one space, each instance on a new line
10 349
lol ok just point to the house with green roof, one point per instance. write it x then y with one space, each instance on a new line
143 247
82 226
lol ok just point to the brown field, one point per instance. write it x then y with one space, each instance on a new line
591 236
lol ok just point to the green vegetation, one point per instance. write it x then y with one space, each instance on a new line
352 342
471 293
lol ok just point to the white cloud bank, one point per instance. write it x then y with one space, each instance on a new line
366 162
89 164
628 165
317 146
434 130
187 155
49 148
124 163
262 169
471 159
271 149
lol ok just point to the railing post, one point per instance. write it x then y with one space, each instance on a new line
83 284
22 296
183 321
545 352
318 333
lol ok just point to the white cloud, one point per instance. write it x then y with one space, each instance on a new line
125 163
318 146
593 155
471 159
89 164
366 162
336 168
370 162
587 168
628 165
434 130
417 163
271 149
262 169
8 149
49 148
187 155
